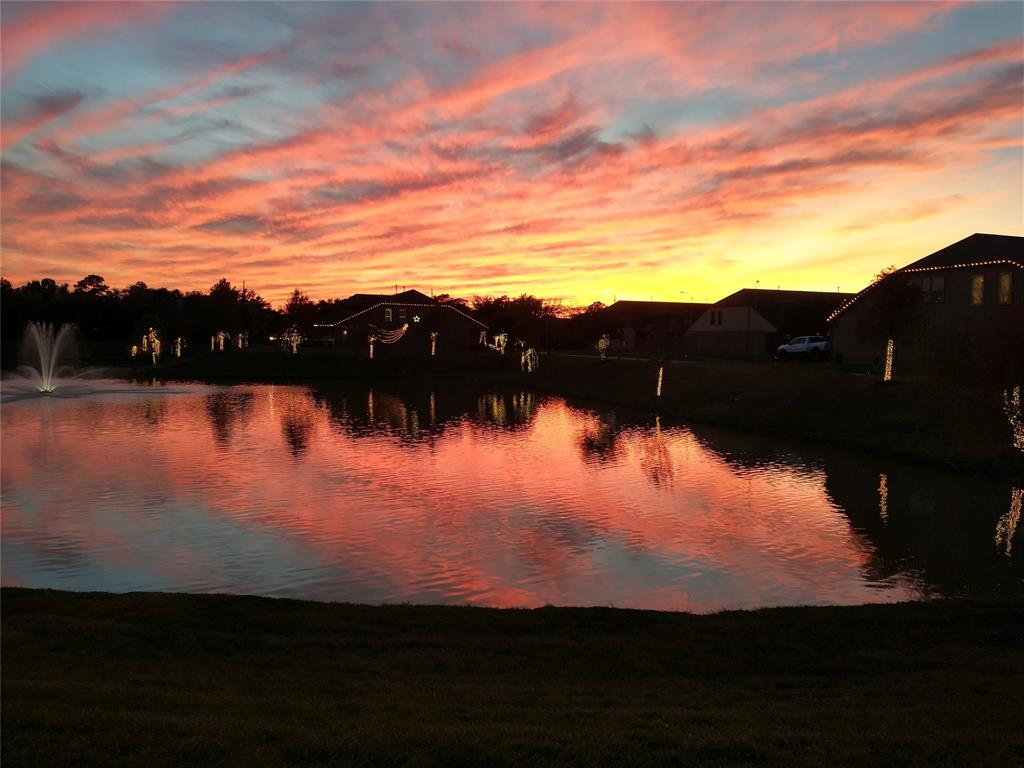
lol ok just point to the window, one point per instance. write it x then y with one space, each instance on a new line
977 290
401 314
1005 288
937 294
387 315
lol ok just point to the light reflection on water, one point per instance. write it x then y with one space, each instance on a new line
453 496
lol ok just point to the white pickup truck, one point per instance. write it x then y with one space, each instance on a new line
814 347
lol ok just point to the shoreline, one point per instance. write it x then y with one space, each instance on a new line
909 420
171 679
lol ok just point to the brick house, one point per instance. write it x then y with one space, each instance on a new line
963 301
752 322
418 313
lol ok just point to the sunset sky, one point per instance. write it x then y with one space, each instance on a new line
581 152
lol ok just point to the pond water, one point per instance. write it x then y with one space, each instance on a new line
370 494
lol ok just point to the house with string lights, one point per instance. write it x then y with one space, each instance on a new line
752 322
409 322
962 305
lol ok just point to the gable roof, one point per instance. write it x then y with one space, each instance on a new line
361 303
782 308
977 250
656 308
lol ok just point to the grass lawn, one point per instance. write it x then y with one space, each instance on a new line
156 679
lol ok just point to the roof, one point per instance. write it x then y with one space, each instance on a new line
654 308
977 250
361 303
782 308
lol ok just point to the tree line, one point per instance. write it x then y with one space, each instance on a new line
106 314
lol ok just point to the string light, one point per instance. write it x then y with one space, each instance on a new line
151 344
384 337
400 304
906 270
883 496
433 340
887 376
1006 527
1011 407
661 376
291 340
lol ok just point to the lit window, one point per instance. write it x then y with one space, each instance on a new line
387 315
1005 288
401 314
938 290
977 290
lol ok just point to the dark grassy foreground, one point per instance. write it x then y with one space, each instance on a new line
149 679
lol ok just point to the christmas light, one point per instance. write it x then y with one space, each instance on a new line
661 376
291 340
883 496
1011 407
602 346
179 345
433 340
135 350
887 376
151 343
1006 527
963 265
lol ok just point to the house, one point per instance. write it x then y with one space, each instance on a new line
752 322
409 317
650 324
963 302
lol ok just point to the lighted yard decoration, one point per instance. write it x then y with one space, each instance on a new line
1011 407
529 361
661 378
602 346
433 342
223 337
500 342
213 343
291 340
179 345
151 341
883 497
242 340
135 350
887 376
384 337
1006 527
483 338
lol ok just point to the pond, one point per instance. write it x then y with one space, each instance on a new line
375 494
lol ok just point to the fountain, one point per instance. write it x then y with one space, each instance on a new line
44 349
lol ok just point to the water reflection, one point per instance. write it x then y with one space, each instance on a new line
377 493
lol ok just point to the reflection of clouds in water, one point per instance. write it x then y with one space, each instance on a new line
1007 525
600 439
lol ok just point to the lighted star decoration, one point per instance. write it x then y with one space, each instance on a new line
415 318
